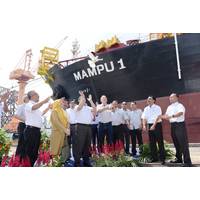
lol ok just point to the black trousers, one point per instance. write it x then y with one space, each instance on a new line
20 146
105 130
180 139
72 131
70 137
81 143
156 136
136 133
126 137
32 137
118 133
95 138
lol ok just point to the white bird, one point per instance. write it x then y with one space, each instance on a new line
93 59
91 63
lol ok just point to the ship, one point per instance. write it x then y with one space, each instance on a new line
133 72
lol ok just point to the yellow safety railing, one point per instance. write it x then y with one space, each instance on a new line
49 57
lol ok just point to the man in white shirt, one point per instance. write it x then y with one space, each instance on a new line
33 121
71 112
20 115
105 122
72 120
153 123
135 127
72 116
117 123
125 126
82 136
176 115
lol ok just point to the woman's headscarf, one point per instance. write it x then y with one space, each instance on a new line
61 113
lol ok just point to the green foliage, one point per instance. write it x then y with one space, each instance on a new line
44 142
110 160
56 162
168 152
146 155
5 143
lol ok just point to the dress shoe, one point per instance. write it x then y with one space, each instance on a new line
163 162
135 156
187 165
153 160
87 164
176 161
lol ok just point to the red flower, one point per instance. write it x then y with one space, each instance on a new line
112 149
46 157
121 146
40 158
16 161
3 163
105 149
91 150
26 162
11 162
117 147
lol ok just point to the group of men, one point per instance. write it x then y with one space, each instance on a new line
115 123
96 123
91 125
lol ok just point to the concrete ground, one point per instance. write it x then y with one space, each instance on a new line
194 153
195 157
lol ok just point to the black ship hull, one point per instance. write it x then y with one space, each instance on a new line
134 72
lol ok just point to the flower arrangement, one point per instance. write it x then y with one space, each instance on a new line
45 159
15 161
113 156
5 159
44 142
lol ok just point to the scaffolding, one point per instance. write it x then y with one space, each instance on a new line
11 102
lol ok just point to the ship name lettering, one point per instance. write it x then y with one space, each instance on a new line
95 71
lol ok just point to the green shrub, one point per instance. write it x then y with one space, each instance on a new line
120 160
146 155
5 143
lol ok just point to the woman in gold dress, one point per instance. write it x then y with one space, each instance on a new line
60 131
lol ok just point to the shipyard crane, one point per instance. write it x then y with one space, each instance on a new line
22 73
